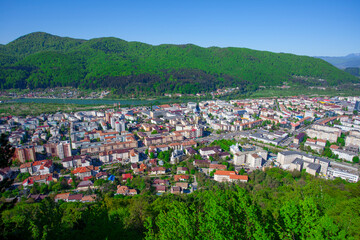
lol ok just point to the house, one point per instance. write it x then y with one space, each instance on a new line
132 192
26 168
85 185
76 161
157 170
126 176
75 198
37 197
134 166
134 156
102 175
175 190
209 151
89 198
39 179
217 167
162 182
160 189
42 167
123 190
62 196
183 185
37 167
229 176
190 151
181 178
83 172
182 170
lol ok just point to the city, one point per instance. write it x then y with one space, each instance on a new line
166 146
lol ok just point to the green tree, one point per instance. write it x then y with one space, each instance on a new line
6 151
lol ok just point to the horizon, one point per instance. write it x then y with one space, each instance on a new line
356 53
323 28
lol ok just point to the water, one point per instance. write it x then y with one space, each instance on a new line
96 101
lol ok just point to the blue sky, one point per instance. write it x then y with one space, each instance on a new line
314 28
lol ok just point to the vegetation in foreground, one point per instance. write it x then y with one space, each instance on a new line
274 205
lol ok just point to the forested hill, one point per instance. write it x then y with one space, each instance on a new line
40 60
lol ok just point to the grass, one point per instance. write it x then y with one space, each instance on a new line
35 109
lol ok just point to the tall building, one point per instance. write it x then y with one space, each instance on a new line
61 150
64 149
25 153
122 125
117 127
357 106
112 122
107 117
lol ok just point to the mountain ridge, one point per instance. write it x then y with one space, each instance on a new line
40 60
343 62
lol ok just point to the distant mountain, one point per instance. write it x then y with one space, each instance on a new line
40 60
353 71
351 60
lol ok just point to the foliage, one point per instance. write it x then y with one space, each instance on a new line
165 155
22 176
274 204
223 143
40 60
6 151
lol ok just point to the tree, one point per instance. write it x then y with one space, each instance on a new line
355 159
6 152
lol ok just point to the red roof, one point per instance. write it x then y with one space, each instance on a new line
239 177
225 173
125 176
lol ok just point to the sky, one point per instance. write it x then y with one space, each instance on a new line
313 28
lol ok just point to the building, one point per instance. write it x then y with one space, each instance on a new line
77 161
84 172
37 168
229 176
58 149
346 155
324 132
299 138
25 154
335 173
254 158
313 165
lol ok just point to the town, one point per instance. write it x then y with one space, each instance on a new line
171 148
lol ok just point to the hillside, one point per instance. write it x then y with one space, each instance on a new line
40 60
353 71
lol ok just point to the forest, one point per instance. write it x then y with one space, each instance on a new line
41 60
274 204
